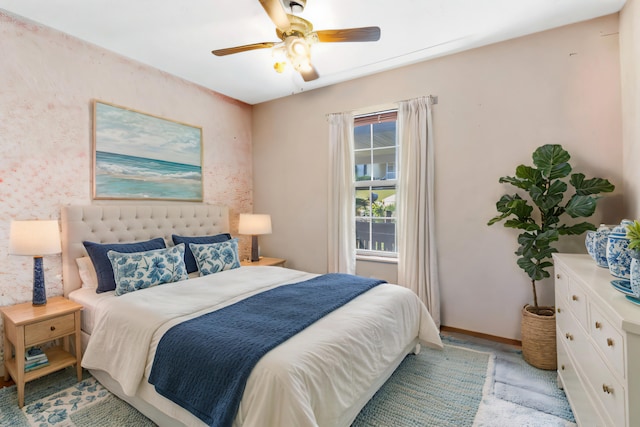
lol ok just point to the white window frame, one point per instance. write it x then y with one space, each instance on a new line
370 254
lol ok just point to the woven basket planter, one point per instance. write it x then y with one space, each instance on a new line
539 337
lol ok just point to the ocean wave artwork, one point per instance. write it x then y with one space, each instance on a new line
138 156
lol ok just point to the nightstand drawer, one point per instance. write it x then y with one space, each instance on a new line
49 329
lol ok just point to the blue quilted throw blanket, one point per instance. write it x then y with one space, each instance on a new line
203 364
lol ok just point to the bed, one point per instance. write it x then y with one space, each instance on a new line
321 376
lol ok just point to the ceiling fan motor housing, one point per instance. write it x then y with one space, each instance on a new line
296 6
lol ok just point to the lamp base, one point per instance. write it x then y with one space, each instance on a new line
255 256
39 290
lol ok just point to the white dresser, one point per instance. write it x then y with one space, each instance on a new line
598 335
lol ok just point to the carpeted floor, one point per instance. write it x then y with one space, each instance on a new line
467 384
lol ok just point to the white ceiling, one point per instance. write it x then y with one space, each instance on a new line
178 36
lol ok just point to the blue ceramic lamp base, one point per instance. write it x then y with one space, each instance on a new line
39 291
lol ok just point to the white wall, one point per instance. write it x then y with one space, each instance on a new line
630 67
496 105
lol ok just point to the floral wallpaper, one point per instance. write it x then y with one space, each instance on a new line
48 80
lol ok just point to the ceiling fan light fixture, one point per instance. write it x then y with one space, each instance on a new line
297 46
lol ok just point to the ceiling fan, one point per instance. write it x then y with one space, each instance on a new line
297 36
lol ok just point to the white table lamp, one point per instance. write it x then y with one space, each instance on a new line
35 238
254 225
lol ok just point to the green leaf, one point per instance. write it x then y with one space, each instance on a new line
590 186
523 225
552 160
633 234
529 175
532 269
557 187
576 229
511 205
581 206
514 181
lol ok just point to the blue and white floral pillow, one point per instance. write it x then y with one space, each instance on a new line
141 270
215 257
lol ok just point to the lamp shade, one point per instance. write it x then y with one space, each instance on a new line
35 238
254 224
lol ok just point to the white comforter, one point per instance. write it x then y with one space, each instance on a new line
312 379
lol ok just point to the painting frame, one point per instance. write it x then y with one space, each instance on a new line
141 156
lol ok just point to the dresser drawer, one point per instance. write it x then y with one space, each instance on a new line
608 339
609 391
561 285
578 304
585 410
48 330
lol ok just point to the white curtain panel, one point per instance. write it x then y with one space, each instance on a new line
342 230
417 258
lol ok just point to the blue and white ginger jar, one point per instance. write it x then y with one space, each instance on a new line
596 243
618 254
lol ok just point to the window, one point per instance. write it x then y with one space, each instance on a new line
376 165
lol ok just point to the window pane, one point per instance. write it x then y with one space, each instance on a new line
384 159
363 165
384 134
362 137
362 202
384 202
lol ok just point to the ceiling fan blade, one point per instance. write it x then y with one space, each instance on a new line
309 74
277 14
364 34
238 49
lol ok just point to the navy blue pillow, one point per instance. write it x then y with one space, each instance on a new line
104 270
189 260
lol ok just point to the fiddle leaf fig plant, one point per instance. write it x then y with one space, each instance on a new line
540 215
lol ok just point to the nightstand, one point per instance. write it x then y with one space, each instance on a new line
26 325
276 262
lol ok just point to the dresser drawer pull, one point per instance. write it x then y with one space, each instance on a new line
53 328
607 389
562 367
559 310
609 342
598 325
558 276
568 336
574 297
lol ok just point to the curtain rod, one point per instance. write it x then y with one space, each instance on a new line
433 99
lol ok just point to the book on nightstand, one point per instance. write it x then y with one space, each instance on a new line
35 358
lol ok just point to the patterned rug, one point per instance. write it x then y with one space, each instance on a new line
465 385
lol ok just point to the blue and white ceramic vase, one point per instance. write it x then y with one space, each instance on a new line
618 254
596 243
635 273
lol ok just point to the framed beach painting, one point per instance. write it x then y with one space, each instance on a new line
141 156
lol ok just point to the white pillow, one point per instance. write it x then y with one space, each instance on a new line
87 272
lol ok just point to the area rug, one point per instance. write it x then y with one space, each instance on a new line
466 384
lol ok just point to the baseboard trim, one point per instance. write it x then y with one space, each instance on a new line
501 340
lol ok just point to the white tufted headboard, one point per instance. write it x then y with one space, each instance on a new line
131 223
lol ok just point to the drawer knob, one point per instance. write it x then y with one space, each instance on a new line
559 310
558 276
607 389
53 328
562 367
568 336
598 325
574 297
609 342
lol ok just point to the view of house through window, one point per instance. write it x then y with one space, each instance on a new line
376 164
